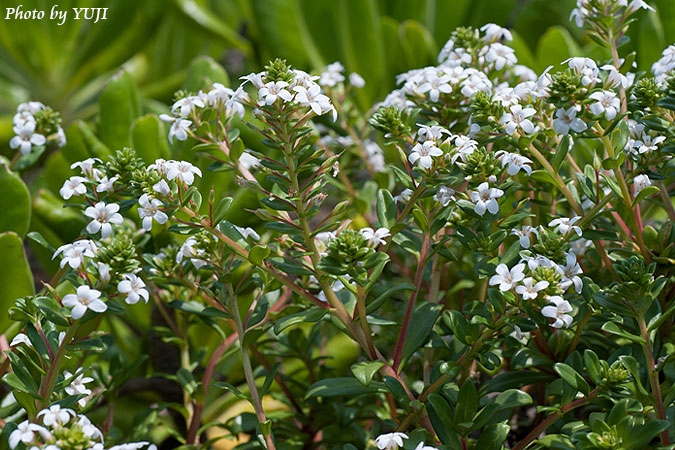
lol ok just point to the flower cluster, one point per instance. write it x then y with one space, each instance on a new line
36 125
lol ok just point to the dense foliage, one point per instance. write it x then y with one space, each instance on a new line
484 260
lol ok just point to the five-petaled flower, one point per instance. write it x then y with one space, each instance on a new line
517 117
26 137
150 209
375 237
558 311
485 198
564 225
507 279
606 102
134 288
103 216
390 441
424 153
566 120
85 298
529 289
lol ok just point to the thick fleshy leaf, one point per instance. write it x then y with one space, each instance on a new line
118 108
16 278
149 139
14 203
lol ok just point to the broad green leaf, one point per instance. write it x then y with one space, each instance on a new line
258 254
149 140
493 437
555 46
441 416
467 402
16 278
651 41
386 208
14 203
572 377
362 47
202 73
639 437
365 370
418 44
644 193
313 314
333 387
613 328
422 321
513 398
118 108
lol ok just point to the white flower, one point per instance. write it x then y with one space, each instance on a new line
74 254
524 235
529 289
648 144
615 78
444 195
518 118
273 90
77 386
187 105
86 298
133 446
88 429
506 96
183 171
87 168
25 432
435 85
150 209
162 187
248 161
585 67
26 137
248 232
640 182
134 288
332 74
404 196
423 152
256 79
219 95
507 279
179 129
515 162
567 119
356 80
564 225
313 98
558 312
30 107
106 185
20 339
21 118
494 33
606 102
103 271
375 237
485 198
390 441
103 216
570 273
635 5
189 250
55 415
73 186
434 132
465 147
421 446
322 240
500 55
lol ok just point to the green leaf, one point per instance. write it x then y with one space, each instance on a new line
333 387
234 390
561 152
493 437
386 208
313 314
467 402
258 254
14 203
644 193
423 320
513 398
118 108
418 44
593 366
441 415
365 370
639 438
202 73
572 377
16 278
555 46
362 46
613 328
148 139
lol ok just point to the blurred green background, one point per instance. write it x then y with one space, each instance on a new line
110 79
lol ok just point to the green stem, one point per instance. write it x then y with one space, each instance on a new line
553 418
559 181
248 369
47 386
653 376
